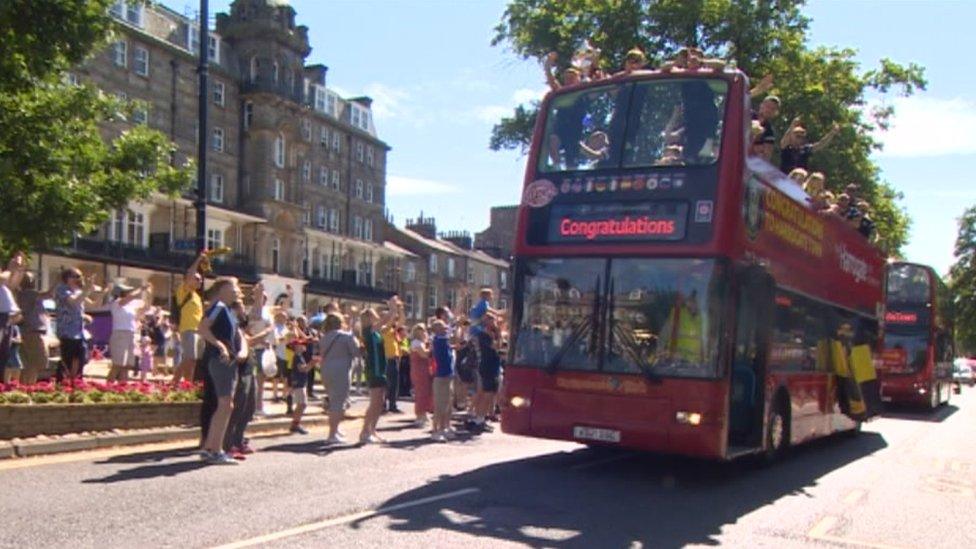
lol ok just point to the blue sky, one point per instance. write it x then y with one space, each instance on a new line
438 86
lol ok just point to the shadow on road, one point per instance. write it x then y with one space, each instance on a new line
149 471
915 413
601 498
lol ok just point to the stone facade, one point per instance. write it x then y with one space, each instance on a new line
296 174
446 270
498 239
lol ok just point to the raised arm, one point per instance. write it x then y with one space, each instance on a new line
764 85
548 64
834 130
16 268
194 268
785 140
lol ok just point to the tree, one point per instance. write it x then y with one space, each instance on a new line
67 157
821 85
962 277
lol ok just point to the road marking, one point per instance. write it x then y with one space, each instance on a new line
322 524
821 528
821 532
604 461
853 497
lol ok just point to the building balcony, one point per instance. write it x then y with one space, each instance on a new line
278 88
346 288
156 257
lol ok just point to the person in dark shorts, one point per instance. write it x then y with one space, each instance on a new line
225 347
70 298
235 444
299 372
375 366
487 341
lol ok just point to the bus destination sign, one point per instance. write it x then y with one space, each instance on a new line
615 222
901 317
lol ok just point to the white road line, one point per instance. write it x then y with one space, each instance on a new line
604 461
823 527
854 496
322 524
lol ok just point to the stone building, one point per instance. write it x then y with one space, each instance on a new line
498 239
296 174
446 270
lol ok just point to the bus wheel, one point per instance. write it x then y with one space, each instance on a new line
777 431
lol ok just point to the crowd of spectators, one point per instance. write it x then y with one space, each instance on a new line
239 345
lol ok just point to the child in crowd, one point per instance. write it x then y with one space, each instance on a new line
443 354
13 367
299 377
146 352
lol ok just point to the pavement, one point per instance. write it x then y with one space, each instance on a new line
907 480
273 422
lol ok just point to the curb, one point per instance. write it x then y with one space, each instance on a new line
26 448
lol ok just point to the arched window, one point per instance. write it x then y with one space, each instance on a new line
274 72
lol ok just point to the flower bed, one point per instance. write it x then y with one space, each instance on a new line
84 392
46 409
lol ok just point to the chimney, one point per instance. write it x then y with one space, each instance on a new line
424 226
461 239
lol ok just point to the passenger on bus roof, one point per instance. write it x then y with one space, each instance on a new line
795 152
767 112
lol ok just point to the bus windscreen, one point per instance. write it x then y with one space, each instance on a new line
635 125
660 317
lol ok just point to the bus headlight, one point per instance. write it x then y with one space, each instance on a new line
520 402
688 418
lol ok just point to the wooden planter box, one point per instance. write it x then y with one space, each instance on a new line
28 420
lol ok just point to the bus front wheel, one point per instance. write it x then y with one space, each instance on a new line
777 430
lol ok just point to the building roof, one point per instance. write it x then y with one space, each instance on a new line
448 247
436 244
397 249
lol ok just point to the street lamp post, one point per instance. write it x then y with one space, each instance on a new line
202 141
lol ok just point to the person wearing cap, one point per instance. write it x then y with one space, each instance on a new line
127 309
795 152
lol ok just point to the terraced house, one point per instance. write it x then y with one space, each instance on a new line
296 174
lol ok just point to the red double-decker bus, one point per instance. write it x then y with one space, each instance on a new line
916 365
674 294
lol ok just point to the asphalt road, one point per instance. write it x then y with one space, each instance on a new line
909 480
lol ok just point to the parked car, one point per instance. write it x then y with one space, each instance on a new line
962 372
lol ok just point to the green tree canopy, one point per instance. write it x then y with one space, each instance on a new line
962 276
67 157
821 85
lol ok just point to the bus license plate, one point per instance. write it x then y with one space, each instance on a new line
592 433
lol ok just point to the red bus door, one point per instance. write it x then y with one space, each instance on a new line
748 373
